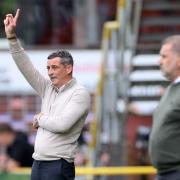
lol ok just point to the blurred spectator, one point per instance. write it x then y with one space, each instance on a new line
17 119
4 114
19 111
53 22
105 158
81 158
32 107
17 152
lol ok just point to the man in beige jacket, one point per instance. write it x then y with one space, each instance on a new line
65 105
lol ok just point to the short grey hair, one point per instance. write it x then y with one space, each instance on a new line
174 40
66 57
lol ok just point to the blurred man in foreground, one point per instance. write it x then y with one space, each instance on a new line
164 145
65 105
15 149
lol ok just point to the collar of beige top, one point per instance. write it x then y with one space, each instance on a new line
63 87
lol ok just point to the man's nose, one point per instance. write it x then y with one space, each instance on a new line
160 61
50 72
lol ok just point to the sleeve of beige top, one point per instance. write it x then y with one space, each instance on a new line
32 75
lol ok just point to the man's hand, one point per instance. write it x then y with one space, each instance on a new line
36 119
12 165
7 164
3 162
10 24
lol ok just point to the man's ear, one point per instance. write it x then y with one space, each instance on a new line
69 68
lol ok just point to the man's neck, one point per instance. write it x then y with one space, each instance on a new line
65 83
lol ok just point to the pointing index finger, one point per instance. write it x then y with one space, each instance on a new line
17 14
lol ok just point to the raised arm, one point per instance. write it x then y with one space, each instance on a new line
35 79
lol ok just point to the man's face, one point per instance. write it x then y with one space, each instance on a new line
58 73
169 62
5 139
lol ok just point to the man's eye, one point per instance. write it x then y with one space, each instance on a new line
54 67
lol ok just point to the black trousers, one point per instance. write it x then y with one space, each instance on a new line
53 170
174 175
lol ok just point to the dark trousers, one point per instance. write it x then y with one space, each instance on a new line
53 170
175 175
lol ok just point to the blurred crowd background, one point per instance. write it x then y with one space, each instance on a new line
76 23
120 135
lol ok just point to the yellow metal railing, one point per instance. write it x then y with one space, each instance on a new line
110 171
109 26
